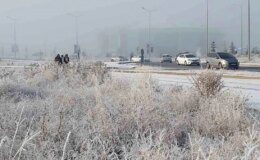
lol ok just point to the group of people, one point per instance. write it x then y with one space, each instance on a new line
60 59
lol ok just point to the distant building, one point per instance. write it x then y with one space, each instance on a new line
123 43
103 43
163 40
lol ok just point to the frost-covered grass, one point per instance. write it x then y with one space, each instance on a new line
81 112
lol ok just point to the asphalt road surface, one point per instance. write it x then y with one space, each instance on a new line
174 66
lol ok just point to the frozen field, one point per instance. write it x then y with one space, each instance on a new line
19 63
242 82
85 111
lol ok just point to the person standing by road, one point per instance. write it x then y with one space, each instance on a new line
142 56
131 56
62 59
66 59
58 59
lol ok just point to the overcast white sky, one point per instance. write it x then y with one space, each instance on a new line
46 20
45 8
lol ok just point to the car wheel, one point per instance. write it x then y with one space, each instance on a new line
177 62
220 66
208 66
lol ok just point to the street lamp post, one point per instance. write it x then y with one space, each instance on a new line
149 22
15 46
249 30
207 27
241 27
149 11
76 33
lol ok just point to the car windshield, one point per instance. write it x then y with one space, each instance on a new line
166 56
225 55
190 56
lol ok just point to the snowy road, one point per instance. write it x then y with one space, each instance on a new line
249 88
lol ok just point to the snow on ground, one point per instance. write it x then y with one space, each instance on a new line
116 65
19 63
192 71
254 59
249 88
250 64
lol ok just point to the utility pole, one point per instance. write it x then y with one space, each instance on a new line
3 51
207 27
76 47
242 28
14 46
249 30
77 30
149 11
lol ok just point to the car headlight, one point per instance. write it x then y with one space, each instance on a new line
224 62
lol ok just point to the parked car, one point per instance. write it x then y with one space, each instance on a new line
166 58
137 59
187 59
221 60
118 59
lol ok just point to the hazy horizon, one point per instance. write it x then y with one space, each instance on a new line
45 23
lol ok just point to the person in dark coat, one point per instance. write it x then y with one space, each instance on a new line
142 56
66 59
131 56
58 59
62 59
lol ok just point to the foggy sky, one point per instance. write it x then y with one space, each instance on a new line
45 22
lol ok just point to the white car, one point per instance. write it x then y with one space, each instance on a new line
118 59
136 59
187 59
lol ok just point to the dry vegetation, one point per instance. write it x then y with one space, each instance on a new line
80 112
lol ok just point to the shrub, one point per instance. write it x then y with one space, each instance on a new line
207 83
85 117
17 92
222 115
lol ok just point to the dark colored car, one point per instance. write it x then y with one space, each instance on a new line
222 60
166 58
